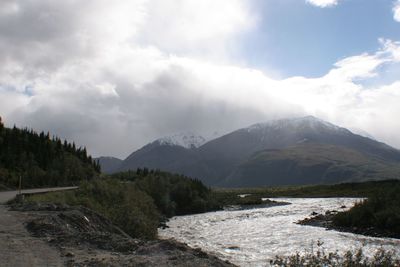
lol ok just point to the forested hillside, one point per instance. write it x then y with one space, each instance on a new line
41 160
173 194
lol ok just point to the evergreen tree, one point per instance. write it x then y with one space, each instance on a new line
40 160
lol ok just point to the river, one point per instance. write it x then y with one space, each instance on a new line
253 237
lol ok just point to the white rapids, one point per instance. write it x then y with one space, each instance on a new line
253 237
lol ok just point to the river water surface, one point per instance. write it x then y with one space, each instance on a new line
253 237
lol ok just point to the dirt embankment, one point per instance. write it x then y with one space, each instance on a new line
85 238
18 248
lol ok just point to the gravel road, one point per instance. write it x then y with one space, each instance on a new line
17 246
8 195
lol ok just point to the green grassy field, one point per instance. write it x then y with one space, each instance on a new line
364 189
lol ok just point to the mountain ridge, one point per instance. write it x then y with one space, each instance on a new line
216 160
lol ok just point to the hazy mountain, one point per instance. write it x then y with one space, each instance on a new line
362 133
177 153
289 132
158 155
187 140
309 163
224 154
109 164
235 159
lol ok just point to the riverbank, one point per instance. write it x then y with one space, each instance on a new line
83 237
326 221
264 203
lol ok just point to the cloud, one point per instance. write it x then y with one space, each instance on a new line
113 77
195 27
82 68
323 3
396 10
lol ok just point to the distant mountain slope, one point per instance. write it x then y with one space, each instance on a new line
186 140
109 164
288 132
310 163
177 154
223 154
221 160
156 155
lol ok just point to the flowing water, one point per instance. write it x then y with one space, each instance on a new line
253 237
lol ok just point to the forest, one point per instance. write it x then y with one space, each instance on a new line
40 159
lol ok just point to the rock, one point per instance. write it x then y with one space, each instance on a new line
69 254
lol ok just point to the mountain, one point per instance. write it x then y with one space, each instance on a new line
289 132
156 155
177 153
310 163
109 164
186 140
226 153
252 156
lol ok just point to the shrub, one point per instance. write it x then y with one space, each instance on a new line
320 257
126 206
381 211
173 194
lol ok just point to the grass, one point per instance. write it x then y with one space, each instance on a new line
364 189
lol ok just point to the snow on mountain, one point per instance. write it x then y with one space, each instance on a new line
297 123
187 140
362 133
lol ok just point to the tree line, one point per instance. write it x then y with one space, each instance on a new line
173 194
41 160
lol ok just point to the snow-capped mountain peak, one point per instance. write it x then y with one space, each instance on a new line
308 121
187 140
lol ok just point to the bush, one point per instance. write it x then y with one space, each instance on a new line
137 201
126 206
320 257
172 194
381 211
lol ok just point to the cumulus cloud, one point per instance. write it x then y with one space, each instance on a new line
113 77
323 3
396 10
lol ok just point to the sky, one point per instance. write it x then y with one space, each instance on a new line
115 76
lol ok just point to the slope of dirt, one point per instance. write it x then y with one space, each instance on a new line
19 248
85 238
